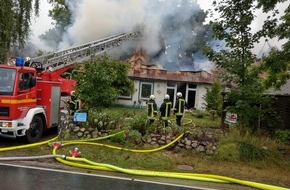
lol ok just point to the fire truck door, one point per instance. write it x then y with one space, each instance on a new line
55 104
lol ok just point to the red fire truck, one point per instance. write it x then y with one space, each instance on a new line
31 91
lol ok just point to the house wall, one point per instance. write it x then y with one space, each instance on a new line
159 90
200 92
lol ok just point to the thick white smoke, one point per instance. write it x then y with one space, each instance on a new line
94 20
103 18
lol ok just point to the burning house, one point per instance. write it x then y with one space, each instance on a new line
150 79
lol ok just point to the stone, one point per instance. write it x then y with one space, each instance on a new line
188 142
188 147
194 144
185 167
168 141
209 152
80 134
94 134
161 142
76 129
200 148
83 129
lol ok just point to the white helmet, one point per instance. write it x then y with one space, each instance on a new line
166 97
27 59
152 97
179 94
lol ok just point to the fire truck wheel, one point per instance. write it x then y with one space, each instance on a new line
34 133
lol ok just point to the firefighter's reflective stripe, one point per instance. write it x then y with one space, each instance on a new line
168 107
151 107
8 101
180 108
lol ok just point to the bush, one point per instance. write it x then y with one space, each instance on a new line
139 123
282 136
135 137
118 138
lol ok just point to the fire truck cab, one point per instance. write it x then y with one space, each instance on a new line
28 105
31 92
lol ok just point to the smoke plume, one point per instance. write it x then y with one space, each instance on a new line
168 32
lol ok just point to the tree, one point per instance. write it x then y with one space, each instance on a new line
101 81
213 97
15 23
62 16
237 60
277 64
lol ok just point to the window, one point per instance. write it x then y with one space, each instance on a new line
24 82
125 96
7 79
170 84
192 86
146 90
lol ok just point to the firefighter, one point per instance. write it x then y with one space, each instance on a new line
165 109
152 109
27 61
179 108
73 104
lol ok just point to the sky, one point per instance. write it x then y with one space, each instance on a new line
113 18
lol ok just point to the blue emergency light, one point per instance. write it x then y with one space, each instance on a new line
19 61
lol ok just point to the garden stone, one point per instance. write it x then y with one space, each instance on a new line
194 144
76 129
185 167
200 148
94 134
80 134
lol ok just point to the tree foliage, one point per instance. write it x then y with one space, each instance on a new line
277 64
237 60
101 81
14 23
62 16
213 97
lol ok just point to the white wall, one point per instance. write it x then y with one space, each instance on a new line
159 90
200 92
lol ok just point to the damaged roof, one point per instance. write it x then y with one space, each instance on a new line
142 69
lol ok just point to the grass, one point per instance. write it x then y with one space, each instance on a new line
271 168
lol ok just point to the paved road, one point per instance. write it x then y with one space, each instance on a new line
16 177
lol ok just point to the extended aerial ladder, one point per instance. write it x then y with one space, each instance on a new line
51 66
77 54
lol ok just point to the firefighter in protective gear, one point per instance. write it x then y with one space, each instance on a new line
151 109
27 61
179 108
73 103
165 109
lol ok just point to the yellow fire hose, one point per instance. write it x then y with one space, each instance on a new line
85 163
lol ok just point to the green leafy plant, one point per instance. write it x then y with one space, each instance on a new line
118 138
213 97
282 136
139 123
248 152
101 81
135 137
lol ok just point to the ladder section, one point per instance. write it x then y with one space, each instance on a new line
60 59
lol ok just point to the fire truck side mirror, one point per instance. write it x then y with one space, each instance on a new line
32 82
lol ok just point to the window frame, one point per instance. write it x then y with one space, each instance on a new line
141 90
